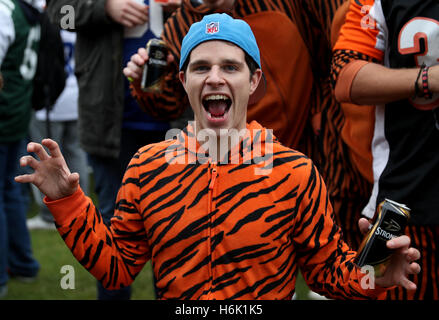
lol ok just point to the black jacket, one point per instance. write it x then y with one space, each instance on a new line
98 68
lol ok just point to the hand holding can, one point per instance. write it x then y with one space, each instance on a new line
155 67
134 68
390 223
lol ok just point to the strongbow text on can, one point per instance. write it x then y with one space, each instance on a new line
155 67
390 223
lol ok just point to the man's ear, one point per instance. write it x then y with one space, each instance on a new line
182 77
257 87
254 80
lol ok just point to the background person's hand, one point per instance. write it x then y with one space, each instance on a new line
133 70
51 174
128 13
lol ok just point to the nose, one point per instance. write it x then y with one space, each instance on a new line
214 77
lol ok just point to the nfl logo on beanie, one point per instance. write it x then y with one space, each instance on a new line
212 27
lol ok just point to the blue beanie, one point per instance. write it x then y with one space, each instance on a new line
220 26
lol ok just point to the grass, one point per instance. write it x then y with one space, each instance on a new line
52 254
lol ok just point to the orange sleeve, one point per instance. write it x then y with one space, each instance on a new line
114 254
361 31
78 200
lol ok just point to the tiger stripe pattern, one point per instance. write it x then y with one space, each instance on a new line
215 230
349 189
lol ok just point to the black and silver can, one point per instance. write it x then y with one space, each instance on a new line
155 67
390 223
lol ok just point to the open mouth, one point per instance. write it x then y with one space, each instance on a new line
217 106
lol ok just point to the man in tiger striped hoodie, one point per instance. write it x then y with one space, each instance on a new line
233 224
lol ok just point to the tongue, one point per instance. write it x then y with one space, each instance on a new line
217 108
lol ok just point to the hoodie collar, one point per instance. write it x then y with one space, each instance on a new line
252 145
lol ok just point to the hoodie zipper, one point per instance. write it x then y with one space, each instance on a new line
213 175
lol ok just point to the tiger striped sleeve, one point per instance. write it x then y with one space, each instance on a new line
114 254
324 258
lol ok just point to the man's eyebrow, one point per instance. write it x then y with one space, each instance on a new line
232 61
207 62
198 62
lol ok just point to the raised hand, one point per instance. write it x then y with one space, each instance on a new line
51 174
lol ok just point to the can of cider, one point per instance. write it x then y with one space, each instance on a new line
155 67
390 223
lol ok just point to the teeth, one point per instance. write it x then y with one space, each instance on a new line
216 97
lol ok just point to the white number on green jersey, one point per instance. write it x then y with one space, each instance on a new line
29 65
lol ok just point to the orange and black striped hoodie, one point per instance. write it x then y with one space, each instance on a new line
235 230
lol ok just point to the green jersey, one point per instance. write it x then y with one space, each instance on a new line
18 63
